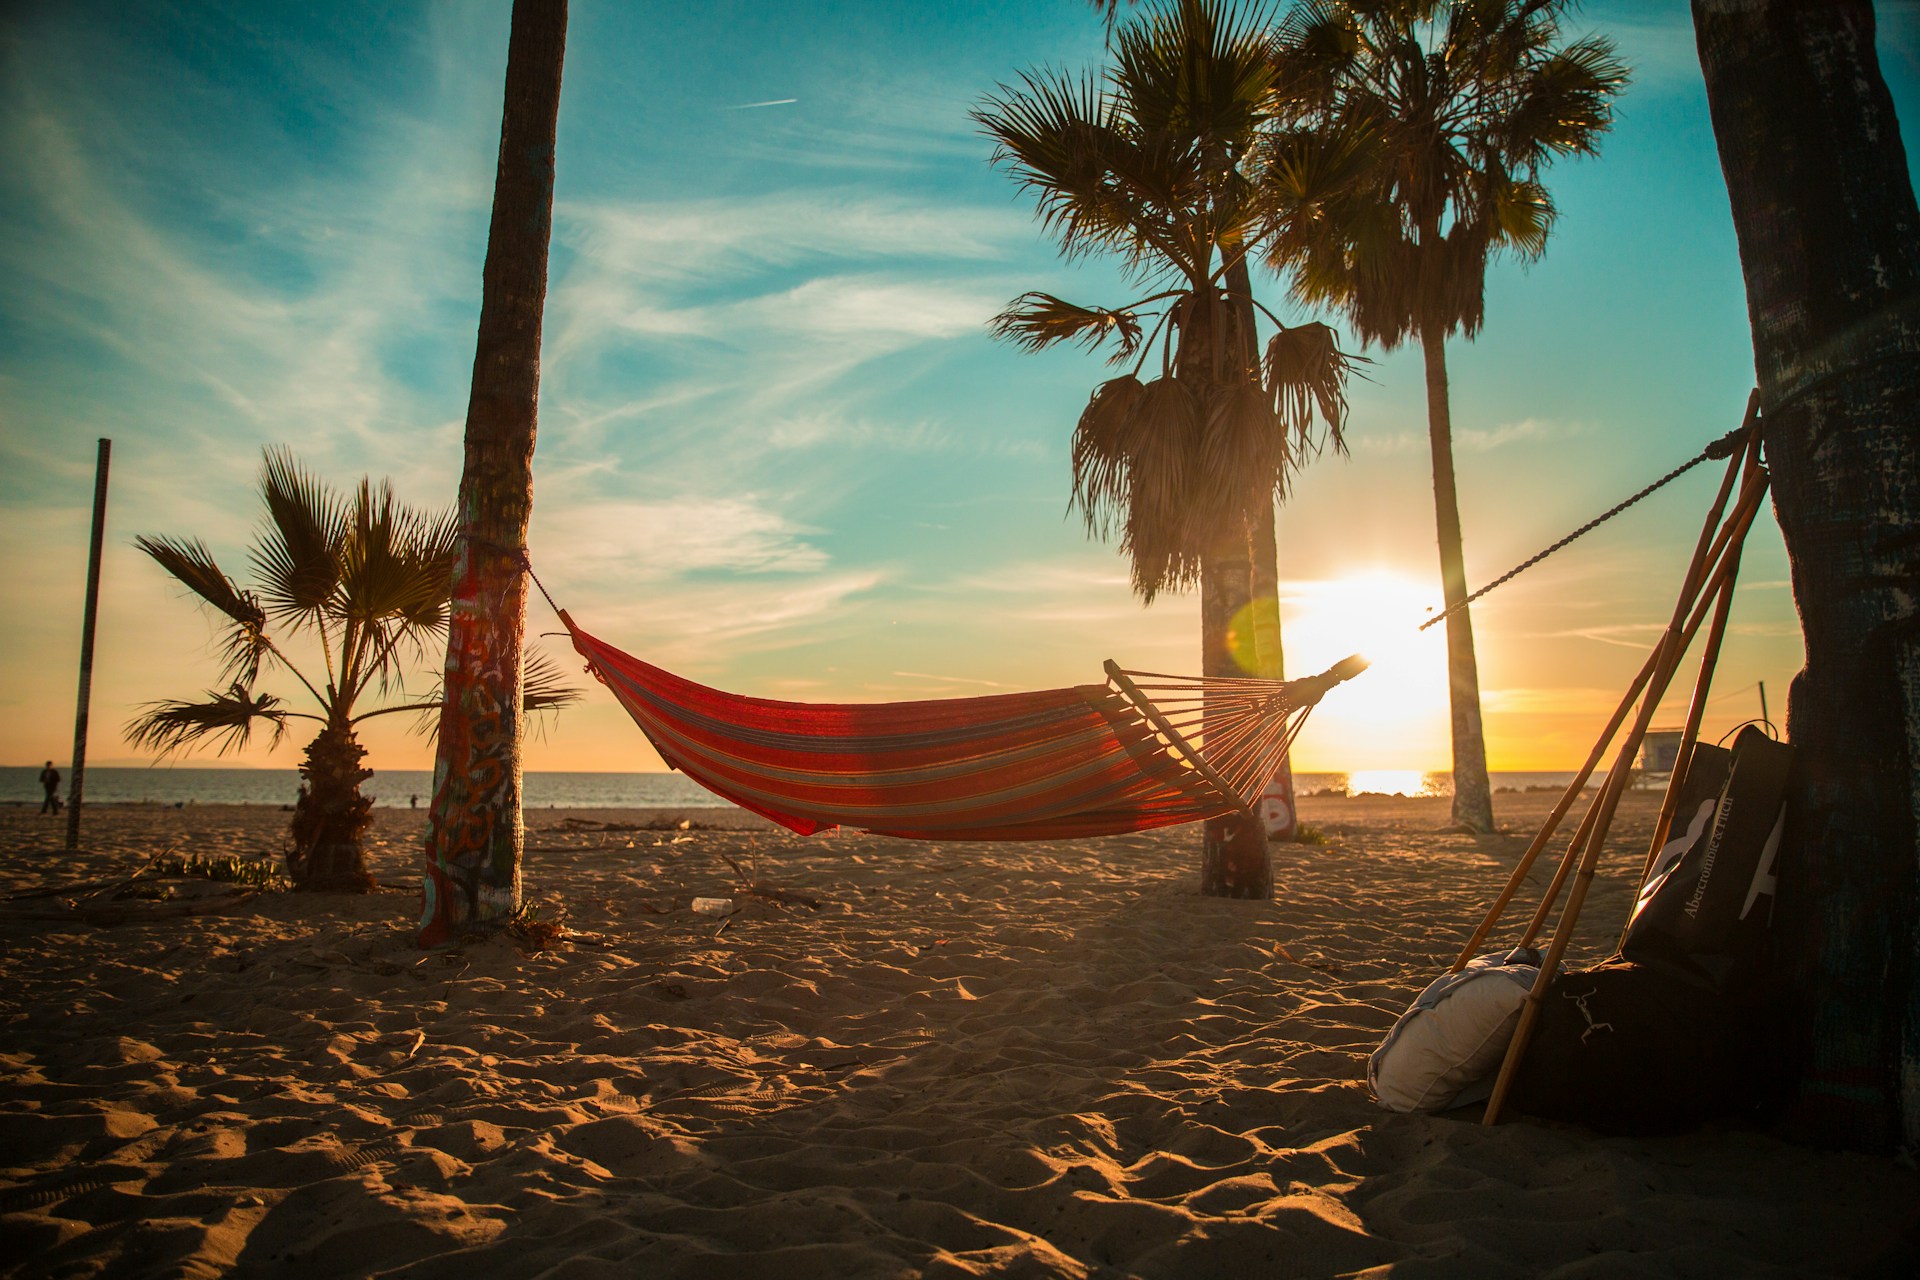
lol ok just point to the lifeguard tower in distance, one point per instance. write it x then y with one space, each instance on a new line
1659 752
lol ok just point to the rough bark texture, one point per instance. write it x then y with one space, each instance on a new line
1472 793
1235 861
327 854
1279 817
474 833
1278 812
1829 239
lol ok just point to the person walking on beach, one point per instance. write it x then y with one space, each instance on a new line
50 780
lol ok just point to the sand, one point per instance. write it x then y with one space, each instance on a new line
1021 1060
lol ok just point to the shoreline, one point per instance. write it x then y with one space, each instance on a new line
1052 1059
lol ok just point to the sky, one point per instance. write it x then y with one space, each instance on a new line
778 450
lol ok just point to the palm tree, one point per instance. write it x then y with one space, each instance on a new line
475 836
369 578
1145 162
1449 110
1829 233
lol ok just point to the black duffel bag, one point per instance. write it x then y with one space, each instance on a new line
1632 1047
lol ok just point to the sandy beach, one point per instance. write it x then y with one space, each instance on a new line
971 1060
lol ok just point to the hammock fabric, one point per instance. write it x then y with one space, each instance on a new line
1054 764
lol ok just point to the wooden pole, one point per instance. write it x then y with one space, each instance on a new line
1178 741
1690 735
76 784
1554 818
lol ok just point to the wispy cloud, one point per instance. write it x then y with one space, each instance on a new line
652 538
1469 439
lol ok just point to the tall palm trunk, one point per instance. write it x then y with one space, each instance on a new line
1278 813
1472 793
1829 233
330 818
1235 861
1279 817
474 834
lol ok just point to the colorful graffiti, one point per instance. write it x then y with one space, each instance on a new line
474 831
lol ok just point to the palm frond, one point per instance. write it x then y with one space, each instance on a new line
297 555
1202 71
1305 373
1461 103
245 644
188 560
396 577
1245 457
227 718
1160 452
1098 452
1521 217
1100 182
1564 104
544 688
1036 321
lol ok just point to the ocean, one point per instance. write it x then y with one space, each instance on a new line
399 788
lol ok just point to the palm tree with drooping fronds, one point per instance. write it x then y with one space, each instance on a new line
366 580
1450 110
1146 162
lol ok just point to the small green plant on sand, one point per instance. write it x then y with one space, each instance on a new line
255 873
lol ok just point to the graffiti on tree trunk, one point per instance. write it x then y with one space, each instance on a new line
473 827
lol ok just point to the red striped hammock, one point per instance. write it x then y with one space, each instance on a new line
1054 764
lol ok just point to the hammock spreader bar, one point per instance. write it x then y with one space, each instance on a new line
1052 764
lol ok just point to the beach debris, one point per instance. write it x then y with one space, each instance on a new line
535 934
651 824
714 906
752 886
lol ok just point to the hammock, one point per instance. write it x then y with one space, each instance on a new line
1054 764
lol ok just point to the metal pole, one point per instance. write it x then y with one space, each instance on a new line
77 784
1764 717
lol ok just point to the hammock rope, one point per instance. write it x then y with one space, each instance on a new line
1719 450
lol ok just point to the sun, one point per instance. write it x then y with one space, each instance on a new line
1394 714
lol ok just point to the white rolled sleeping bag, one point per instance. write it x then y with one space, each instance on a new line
1445 1048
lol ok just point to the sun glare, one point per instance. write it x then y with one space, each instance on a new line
1386 782
1392 716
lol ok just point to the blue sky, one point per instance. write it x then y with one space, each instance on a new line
778 450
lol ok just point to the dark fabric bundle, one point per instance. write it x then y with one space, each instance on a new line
1673 1030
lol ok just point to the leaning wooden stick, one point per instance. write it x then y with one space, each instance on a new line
1663 662
1705 547
1690 734
1728 545
1554 818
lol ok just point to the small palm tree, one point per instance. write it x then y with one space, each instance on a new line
1146 162
1419 157
369 578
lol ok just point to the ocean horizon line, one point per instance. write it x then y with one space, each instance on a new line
607 789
